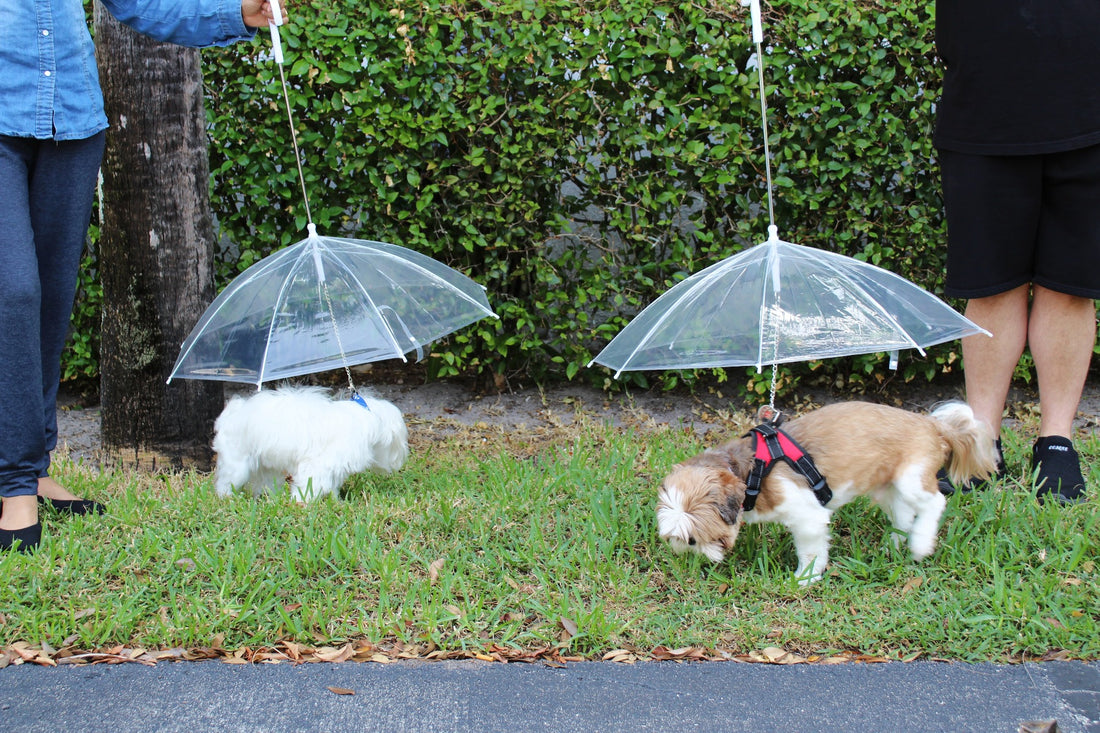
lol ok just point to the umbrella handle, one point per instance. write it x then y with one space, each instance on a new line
757 25
273 24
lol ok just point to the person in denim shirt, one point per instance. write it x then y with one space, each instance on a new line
52 127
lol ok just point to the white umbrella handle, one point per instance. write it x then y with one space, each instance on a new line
276 21
757 25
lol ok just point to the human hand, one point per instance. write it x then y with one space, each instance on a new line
258 13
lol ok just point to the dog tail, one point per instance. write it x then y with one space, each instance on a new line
973 453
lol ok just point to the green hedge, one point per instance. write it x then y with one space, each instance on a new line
579 158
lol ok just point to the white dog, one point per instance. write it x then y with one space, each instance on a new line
860 449
306 435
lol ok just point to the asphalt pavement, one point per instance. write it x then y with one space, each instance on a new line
582 696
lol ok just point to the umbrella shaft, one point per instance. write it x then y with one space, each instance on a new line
294 141
764 126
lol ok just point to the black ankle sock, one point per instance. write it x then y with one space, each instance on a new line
1058 469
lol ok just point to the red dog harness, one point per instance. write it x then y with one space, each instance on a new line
772 444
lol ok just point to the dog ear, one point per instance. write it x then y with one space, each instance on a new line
739 456
731 495
730 511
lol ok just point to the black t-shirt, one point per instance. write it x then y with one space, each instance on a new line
1021 77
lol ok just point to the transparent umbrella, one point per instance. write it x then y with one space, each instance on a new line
780 302
326 302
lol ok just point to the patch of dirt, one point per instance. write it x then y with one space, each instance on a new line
434 410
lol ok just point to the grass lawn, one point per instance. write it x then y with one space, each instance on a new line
541 543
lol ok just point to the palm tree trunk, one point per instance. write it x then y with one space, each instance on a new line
156 248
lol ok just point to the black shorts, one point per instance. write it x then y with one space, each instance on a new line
1018 219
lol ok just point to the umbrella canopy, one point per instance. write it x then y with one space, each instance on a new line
779 302
326 303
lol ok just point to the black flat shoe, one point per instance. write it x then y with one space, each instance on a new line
73 506
947 487
23 540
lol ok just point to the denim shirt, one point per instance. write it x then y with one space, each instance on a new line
49 84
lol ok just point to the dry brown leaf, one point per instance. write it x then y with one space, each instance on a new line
837 659
186 563
776 655
871 659
328 654
292 650
433 570
292 607
570 626
22 649
911 585
341 691
687 652
1039 726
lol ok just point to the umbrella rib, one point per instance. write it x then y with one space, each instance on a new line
374 306
704 278
296 265
421 270
216 307
827 261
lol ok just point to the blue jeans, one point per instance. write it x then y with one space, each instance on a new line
46 193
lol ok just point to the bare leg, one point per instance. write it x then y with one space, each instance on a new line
1061 334
990 362
19 512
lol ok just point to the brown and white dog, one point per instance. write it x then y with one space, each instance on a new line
861 449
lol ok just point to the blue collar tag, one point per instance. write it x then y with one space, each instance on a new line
358 399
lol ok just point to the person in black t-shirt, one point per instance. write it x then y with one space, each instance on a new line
1018 135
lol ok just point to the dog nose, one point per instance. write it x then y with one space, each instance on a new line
691 541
